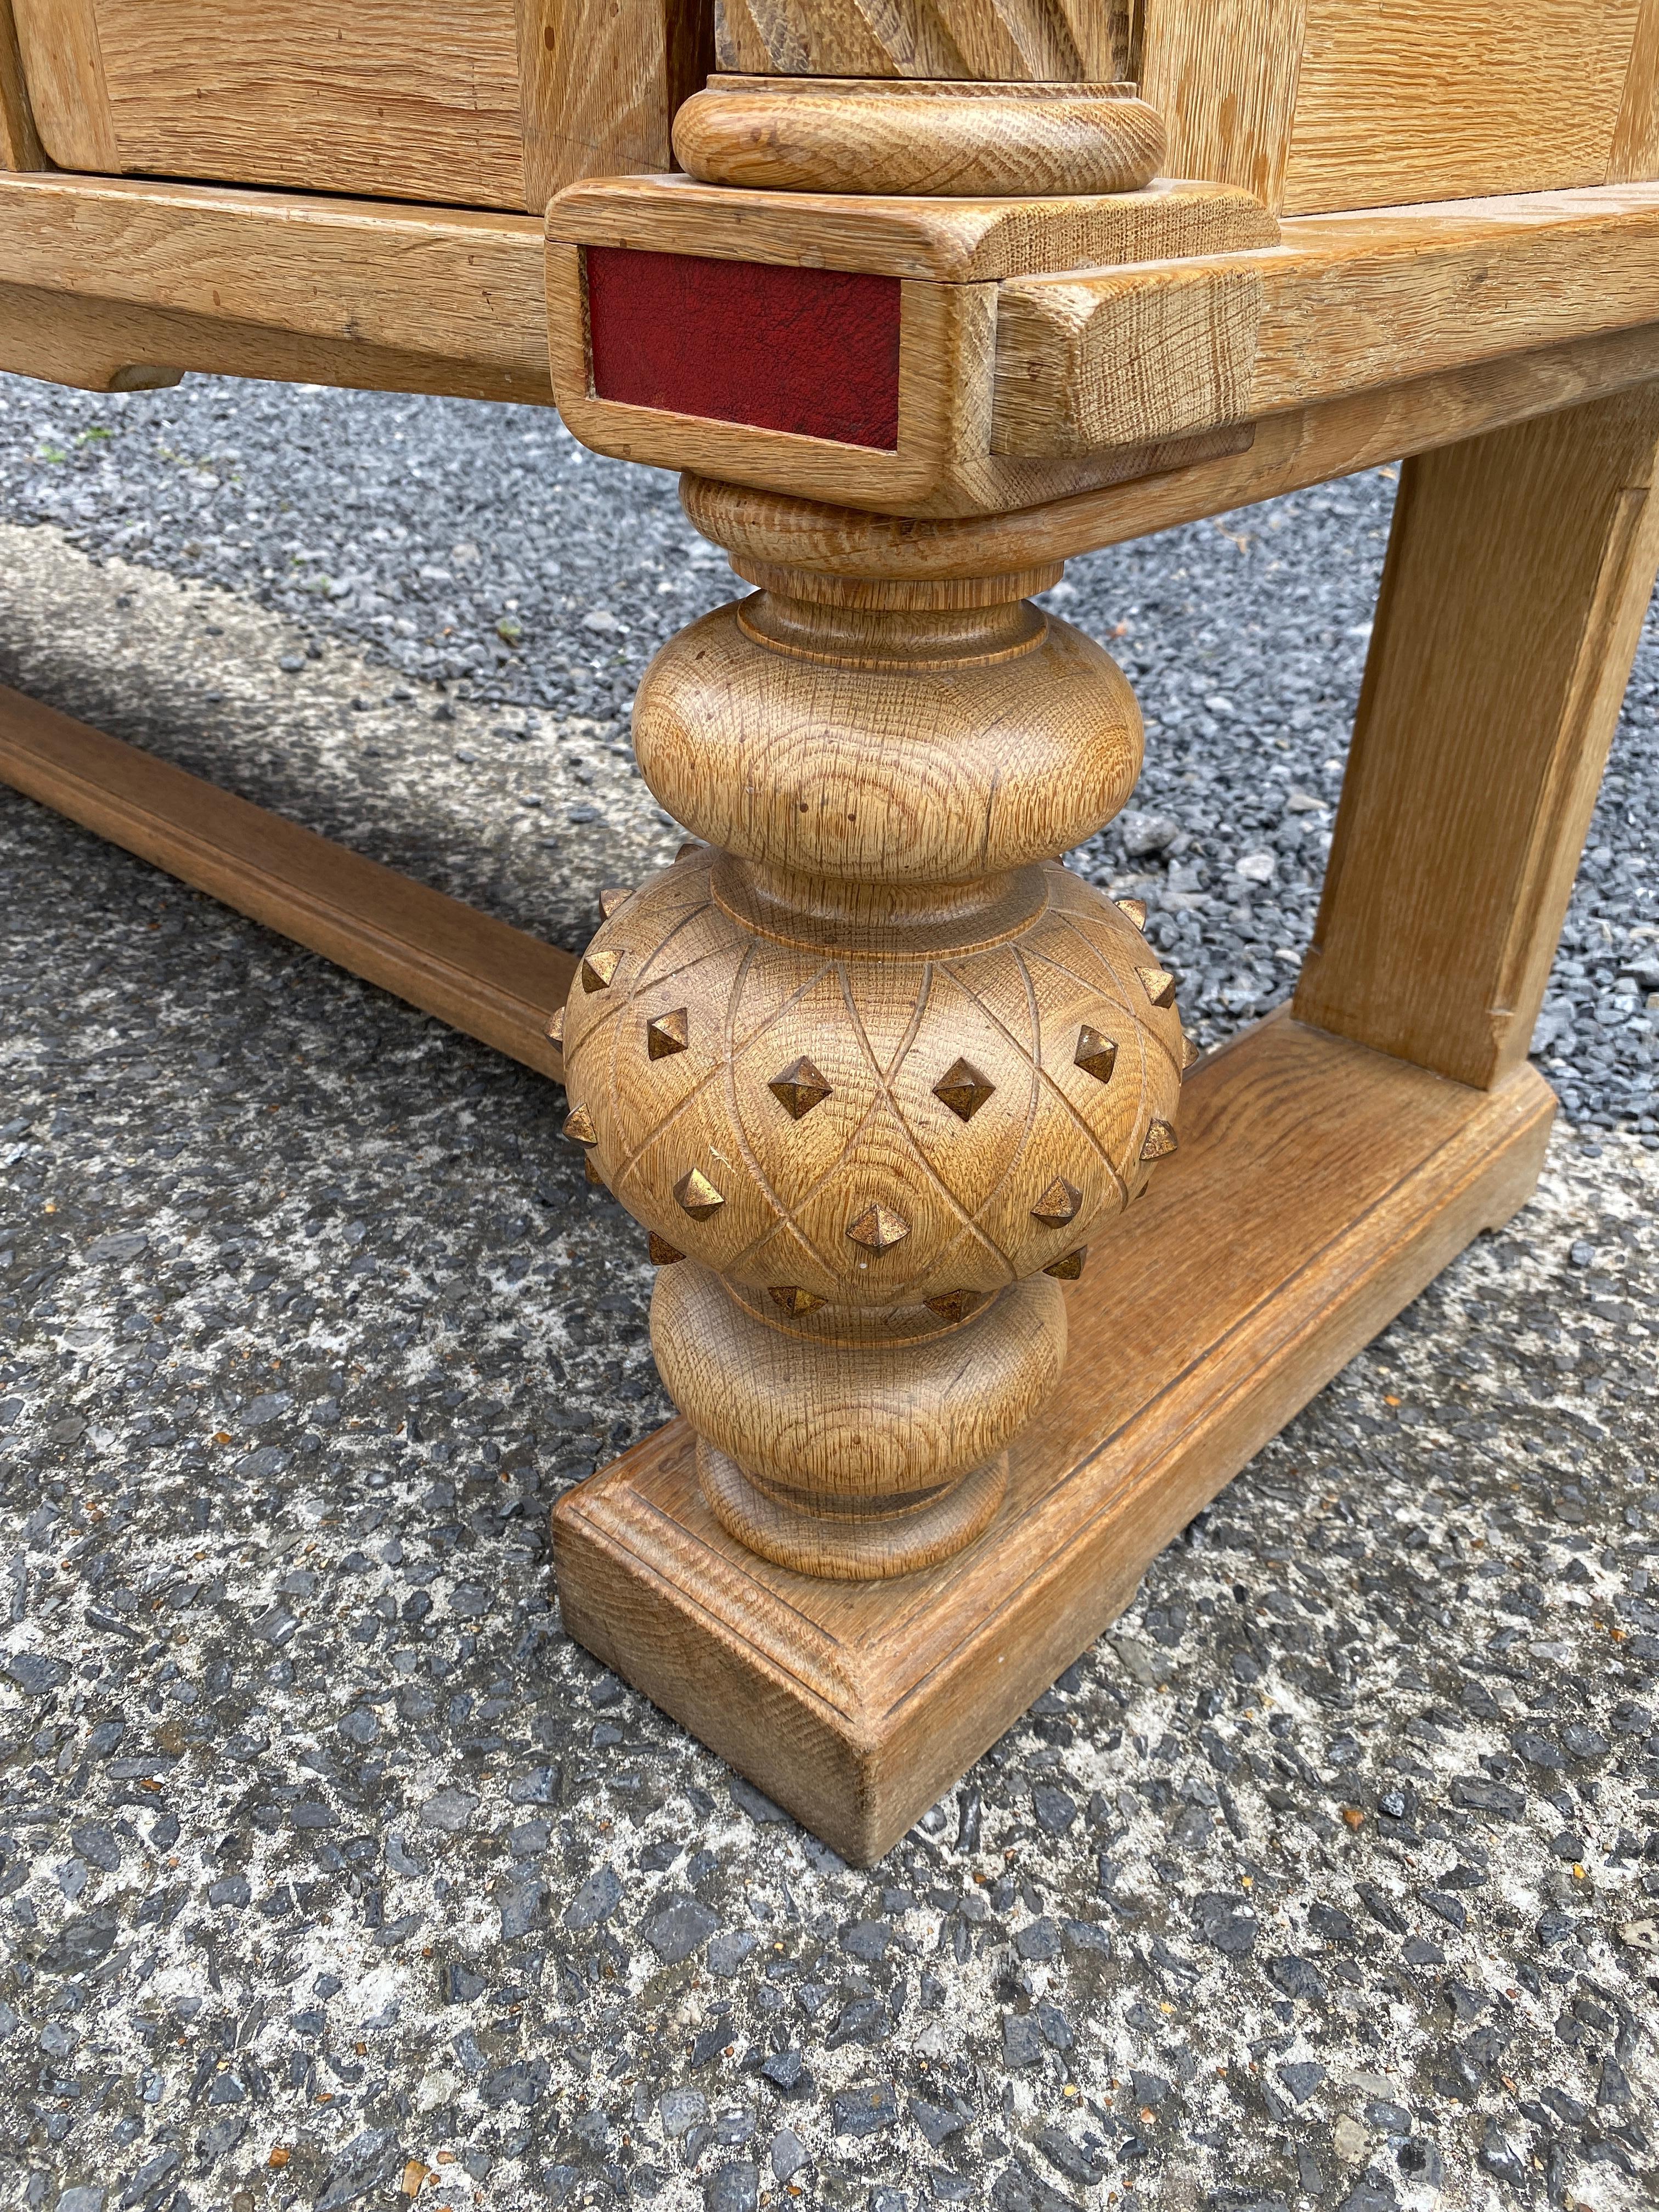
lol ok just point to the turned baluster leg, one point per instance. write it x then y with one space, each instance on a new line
869 1065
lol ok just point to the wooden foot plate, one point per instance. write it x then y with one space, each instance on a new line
1318 1187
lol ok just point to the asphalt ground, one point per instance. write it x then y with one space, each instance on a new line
333 1872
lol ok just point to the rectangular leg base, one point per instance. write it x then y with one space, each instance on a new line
1318 1187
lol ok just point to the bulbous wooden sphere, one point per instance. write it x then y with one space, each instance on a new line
875 1130
933 749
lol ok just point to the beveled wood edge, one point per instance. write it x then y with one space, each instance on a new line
477 974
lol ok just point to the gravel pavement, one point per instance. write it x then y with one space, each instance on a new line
331 1874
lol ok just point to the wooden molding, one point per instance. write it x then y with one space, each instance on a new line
354 288
1342 304
1337 1183
1302 447
900 135
479 974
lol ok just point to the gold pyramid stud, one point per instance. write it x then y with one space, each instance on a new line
799 1088
599 970
612 896
663 1254
1133 910
964 1090
691 845
1068 1269
593 1175
667 1034
1158 985
579 1127
555 1027
792 1299
1096 1055
879 1228
1058 1204
697 1195
1160 1142
952 1305
1190 1054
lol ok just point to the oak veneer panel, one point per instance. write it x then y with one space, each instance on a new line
1039 41
474 103
480 976
1519 571
1320 105
1318 1187
1421 99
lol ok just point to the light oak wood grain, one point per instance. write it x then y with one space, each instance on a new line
1502 96
1342 302
19 141
1319 104
967 240
477 974
1302 446
1635 150
867 1061
1519 571
945 254
63 69
1046 41
1337 1181
457 297
1223 74
476 103
105 345
898 136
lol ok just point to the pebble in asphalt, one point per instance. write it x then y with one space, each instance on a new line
1330 1877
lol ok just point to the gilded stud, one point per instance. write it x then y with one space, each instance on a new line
1068 1269
952 1305
879 1228
599 970
697 1195
792 1299
591 1166
1096 1055
691 845
799 1088
1190 1054
1160 1142
579 1127
1132 910
555 1027
964 1090
666 1034
1058 1204
612 896
663 1254
1158 985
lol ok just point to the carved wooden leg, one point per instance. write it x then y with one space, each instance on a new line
1518 574
871 1066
